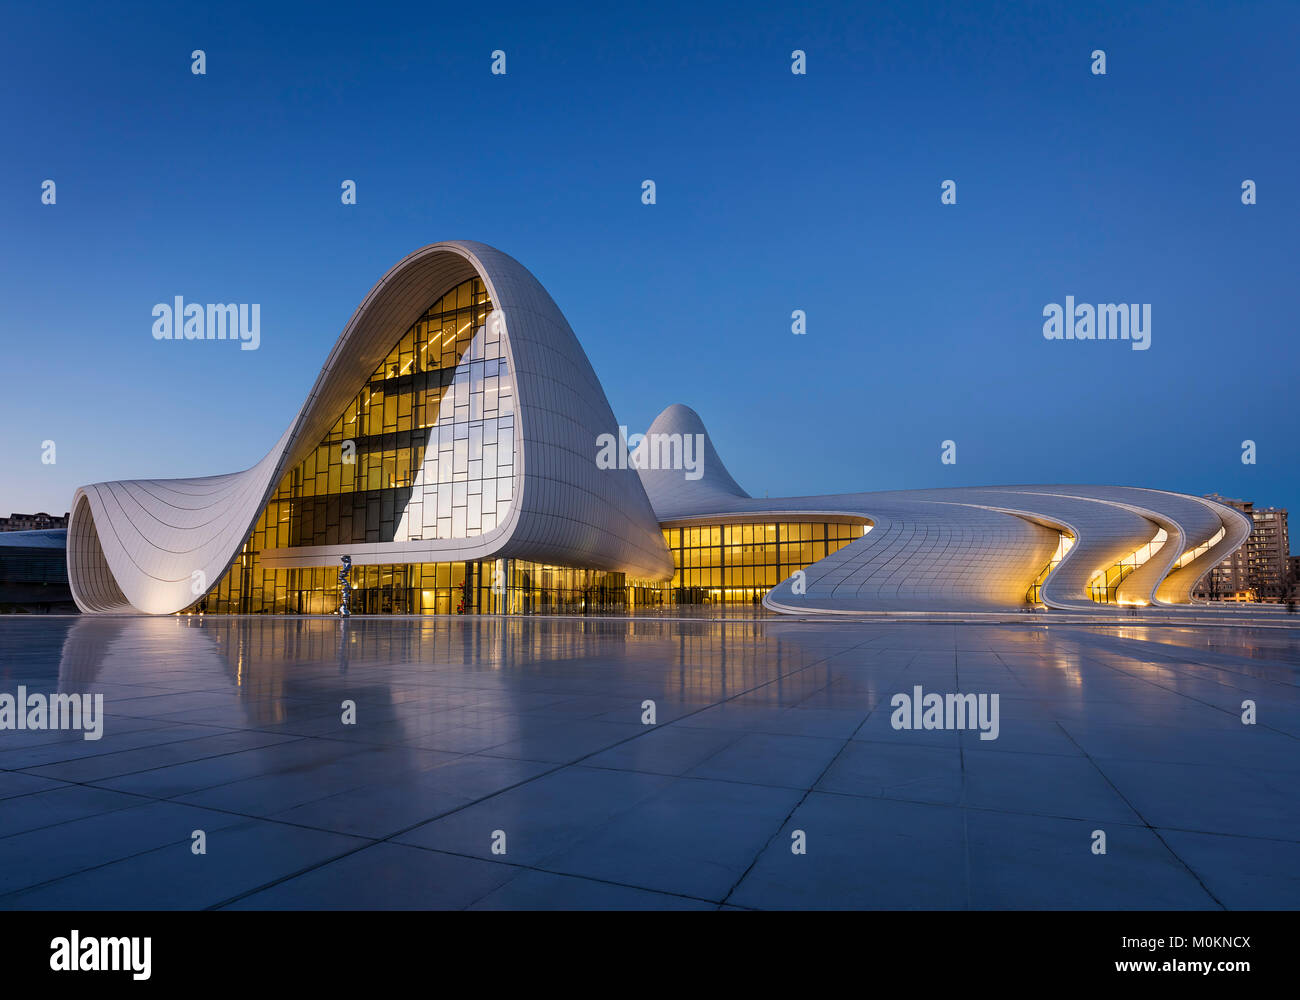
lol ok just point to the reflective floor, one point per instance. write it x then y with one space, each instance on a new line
505 764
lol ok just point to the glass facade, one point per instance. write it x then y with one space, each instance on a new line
739 563
427 450
1035 594
1102 588
490 586
715 564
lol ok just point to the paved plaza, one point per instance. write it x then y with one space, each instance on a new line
505 764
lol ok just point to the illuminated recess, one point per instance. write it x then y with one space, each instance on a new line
1193 554
1102 588
1035 594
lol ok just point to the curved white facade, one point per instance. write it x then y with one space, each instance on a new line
158 546
155 546
968 549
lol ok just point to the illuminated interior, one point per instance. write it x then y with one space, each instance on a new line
1035 594
426 449
423 589
1192 554
739 563
1103 587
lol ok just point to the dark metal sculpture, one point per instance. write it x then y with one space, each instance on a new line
345 586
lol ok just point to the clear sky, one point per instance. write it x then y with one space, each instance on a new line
775 192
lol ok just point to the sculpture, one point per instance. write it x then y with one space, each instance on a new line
345 586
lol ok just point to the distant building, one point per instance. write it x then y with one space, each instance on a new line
1261 570
33 522
34 572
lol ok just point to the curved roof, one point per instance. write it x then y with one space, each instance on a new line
968 548
156 546
667 487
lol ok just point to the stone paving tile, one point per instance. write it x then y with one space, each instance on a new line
14 784
665 750
862 854
536 890
1208 798
382 810
48 853
1242 872
1040 862
541 817
56 748
566 742
384 876
112 765
1042 784
533 727
61 804
240 857
693 838
918 773
768 759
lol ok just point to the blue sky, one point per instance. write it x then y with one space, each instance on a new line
775 192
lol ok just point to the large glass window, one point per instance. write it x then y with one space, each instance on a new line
489 586
425 450
739 563
715 564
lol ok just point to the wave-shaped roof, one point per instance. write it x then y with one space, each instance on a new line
156 546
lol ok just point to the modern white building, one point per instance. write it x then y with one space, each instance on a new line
457 447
